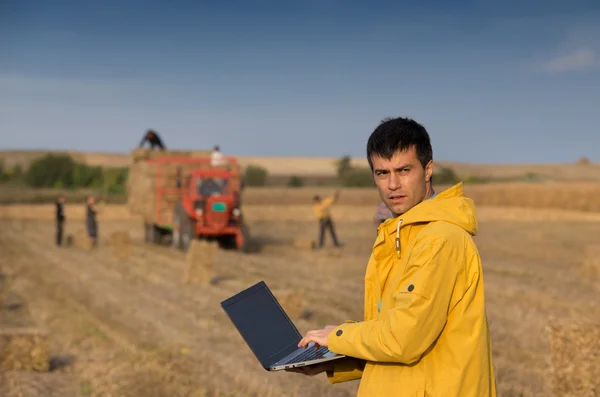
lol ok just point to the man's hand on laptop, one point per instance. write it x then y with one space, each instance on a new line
312 370
318 336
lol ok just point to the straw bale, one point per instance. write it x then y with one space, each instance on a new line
120 243
16 313
34 384
304 243
590 265
24 348
200 259
79 239
291 301
574 360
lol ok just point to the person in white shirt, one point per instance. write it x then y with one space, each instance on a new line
216 158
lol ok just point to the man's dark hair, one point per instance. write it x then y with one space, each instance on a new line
399 134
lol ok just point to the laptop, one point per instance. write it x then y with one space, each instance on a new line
269 332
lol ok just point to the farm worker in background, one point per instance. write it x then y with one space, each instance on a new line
216 157
153 139
90 221
383 213
322 208
425 330
60 219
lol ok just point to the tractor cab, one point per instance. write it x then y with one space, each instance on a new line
211 200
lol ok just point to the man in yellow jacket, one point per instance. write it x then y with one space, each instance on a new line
425 330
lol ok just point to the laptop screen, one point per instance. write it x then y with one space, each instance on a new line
262 323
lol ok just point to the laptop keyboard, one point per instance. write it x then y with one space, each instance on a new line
308 354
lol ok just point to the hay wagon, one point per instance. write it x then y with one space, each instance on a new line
182 197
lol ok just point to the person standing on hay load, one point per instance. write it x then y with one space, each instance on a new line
60 219
322 208
153 139
90 221
216 157
425 330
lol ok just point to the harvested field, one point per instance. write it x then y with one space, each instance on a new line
131 326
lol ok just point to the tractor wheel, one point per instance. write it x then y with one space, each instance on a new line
242 239
151 234
156 235
183 228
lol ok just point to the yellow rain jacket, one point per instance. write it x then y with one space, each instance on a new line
425 330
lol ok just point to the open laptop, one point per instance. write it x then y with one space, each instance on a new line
269 332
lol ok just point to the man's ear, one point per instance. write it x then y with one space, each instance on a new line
428 171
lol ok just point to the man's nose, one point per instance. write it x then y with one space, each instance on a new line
394 182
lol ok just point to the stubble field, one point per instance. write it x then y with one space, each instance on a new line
132 327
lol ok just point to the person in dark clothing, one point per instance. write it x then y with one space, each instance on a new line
153 139
90 221
60 219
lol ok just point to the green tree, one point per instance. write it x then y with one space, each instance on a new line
445 176
255 175
359 177
295 181
51 170
343 166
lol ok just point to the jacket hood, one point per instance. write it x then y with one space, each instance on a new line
449 205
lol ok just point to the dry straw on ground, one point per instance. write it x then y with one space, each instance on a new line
590 266
36 384
120 243
79 239
305 243
574 360
200 260
24 349
291 301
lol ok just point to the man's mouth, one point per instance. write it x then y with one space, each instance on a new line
396 198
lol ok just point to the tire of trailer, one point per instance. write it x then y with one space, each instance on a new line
183 229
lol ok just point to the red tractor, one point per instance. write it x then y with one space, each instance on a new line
204 202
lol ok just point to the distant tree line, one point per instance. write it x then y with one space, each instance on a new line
60 171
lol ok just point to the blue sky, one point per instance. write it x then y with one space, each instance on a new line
493 82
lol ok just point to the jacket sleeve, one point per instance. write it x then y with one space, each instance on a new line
422 303
345 370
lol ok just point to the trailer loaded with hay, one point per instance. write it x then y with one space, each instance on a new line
181 196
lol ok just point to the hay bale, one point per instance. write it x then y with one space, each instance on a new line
200 259
304 243
24 348
33 384
120 243
590 265
16 312
291 301
574 360
79 239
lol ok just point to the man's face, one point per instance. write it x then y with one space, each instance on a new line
402 181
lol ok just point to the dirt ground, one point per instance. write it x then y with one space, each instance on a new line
131 327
